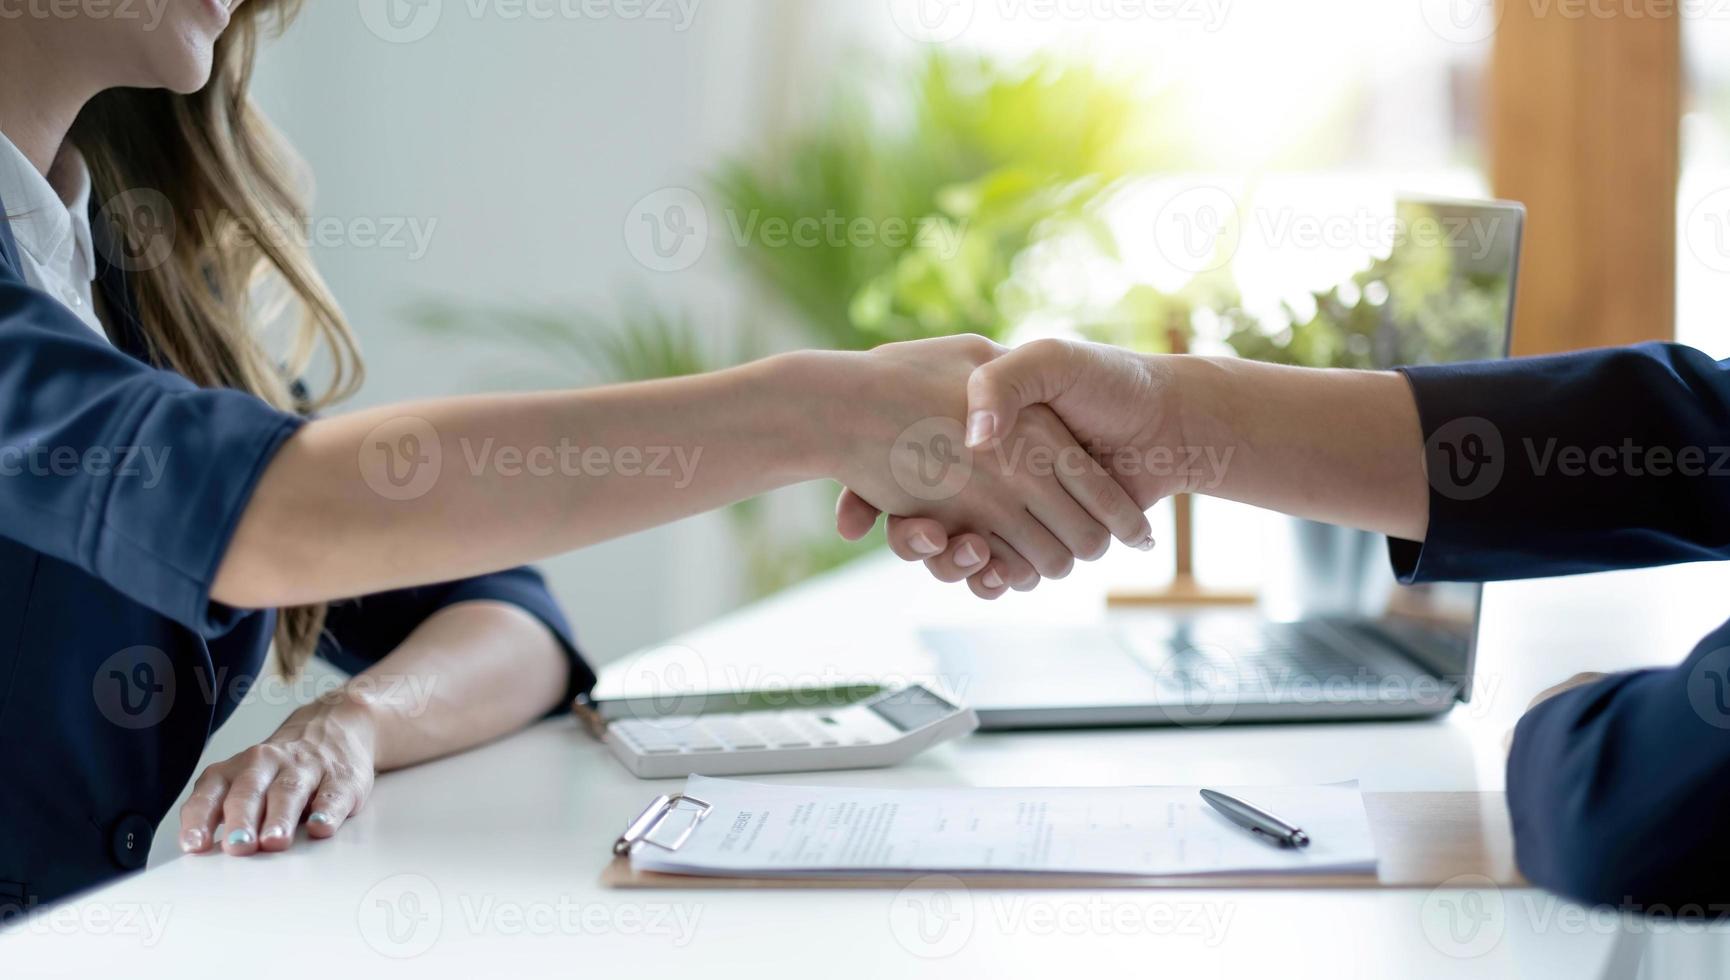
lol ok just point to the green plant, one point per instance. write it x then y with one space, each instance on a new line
984 159
641 342
1417 305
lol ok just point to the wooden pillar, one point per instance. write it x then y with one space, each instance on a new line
1584 121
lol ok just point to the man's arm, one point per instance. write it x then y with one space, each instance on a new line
1617 789
1544 466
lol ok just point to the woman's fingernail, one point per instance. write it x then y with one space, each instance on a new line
192 840
968 555
240 837
318 817
980 425
923 545
1146 544
275 831
993 580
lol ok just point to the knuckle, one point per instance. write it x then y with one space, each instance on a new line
293 781
976 346
1095 542
1108 501
1046 348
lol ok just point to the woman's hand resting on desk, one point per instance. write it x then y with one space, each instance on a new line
470 673
320 763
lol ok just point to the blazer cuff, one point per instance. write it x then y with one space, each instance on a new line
1466 459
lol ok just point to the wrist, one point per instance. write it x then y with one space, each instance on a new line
359 709
1201 395
805 397
1198 420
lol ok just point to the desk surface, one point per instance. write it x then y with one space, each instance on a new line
487 863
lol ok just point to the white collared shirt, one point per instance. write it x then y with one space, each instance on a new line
50 220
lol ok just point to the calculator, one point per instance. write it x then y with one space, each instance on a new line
880 730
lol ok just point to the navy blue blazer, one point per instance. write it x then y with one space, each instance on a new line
120 486
1578 463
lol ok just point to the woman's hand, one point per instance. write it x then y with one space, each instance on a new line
1031 503
318 766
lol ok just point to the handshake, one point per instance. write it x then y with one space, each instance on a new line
1006 466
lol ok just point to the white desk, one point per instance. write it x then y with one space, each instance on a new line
486 864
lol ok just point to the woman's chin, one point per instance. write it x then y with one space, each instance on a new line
188 76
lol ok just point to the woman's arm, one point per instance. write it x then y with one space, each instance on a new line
411 494
470 673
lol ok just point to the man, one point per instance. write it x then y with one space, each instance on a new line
1618 785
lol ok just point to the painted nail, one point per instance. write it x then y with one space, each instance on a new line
980 425
993 580
923 545
1147 544
240 837
275 831
968 555
192 840
319 817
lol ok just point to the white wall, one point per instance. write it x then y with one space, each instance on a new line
523 145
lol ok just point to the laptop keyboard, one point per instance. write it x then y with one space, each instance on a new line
1264 657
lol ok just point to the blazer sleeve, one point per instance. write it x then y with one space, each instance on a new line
1615 458
130 473
1618 789
361 632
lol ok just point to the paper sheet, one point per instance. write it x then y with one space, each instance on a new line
777 831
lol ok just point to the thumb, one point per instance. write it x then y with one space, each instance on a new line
997 392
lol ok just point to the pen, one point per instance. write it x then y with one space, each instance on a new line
1255 820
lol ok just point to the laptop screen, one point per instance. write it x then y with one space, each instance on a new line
1443 293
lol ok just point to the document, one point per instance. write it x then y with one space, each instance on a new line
776 831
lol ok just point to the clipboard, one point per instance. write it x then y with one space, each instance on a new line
1423 840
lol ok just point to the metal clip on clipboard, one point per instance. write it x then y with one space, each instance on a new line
642 829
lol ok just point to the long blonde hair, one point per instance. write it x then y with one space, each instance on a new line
228 185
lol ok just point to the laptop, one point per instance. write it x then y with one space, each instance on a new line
1358 645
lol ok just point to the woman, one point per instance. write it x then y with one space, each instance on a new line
168 506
